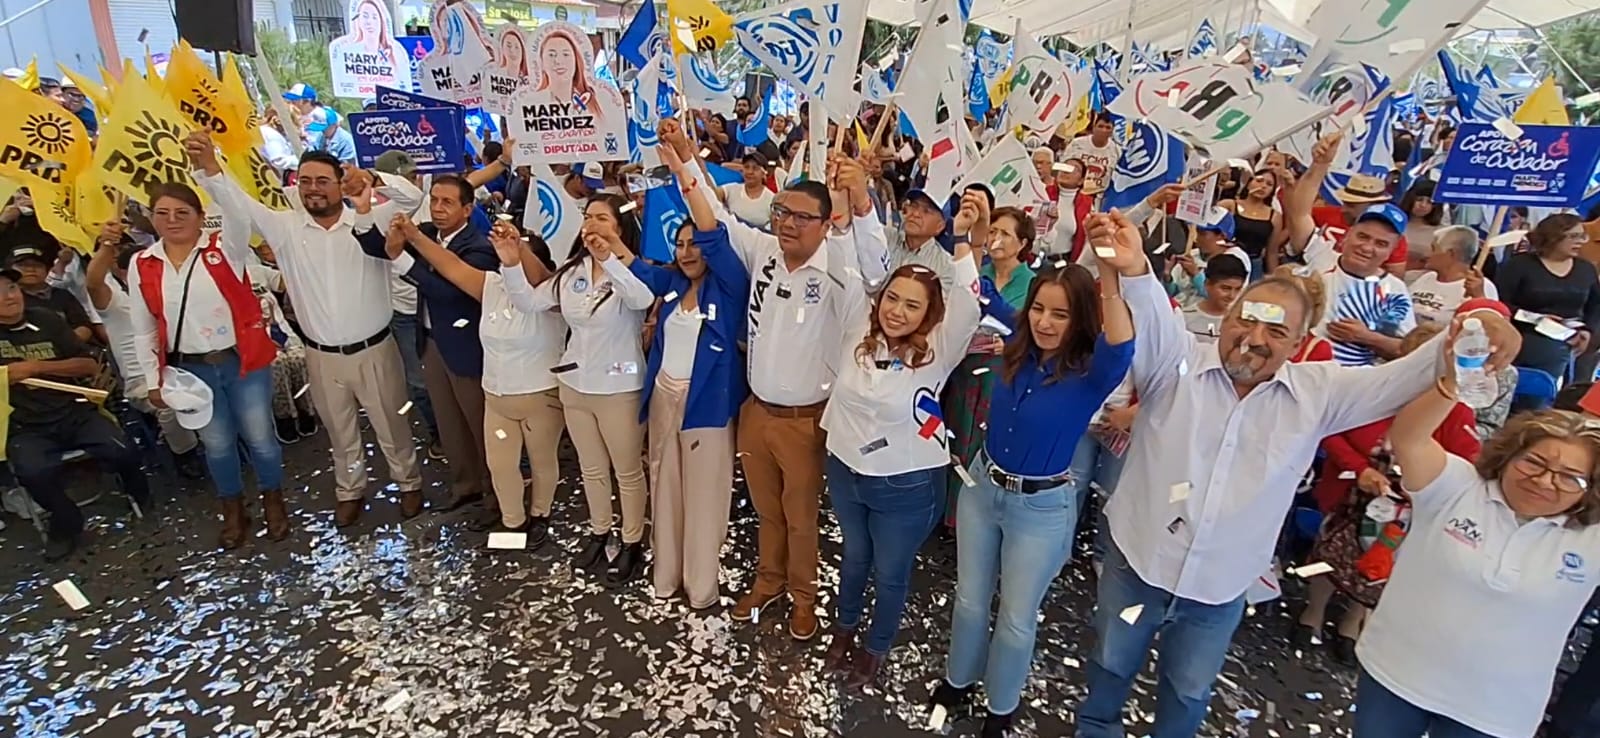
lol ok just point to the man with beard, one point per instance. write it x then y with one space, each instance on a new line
1197 512
339 286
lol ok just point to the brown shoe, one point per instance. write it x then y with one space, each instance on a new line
411 504
745 610
347 512
235 524
864 671
277 517
803 622
841 650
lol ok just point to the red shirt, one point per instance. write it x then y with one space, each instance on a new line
1351 451
1332 218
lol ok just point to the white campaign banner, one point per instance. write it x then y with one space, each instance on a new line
813 45
1007 170
934 69
510 70
565 114
369 55
1343 86
1218 107
1043 91
1394 36
461 50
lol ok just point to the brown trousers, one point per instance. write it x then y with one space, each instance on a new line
783 452
373 380
458 406
510 423
608 435
691 484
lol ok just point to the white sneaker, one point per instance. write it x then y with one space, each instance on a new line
17 502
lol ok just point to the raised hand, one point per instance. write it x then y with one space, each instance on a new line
396 239
202 153
1117 243
507 244
1326 148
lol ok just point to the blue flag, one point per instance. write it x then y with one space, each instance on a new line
754 131
1105 88
634 43
721 175
1372 152
1150 159
664 211
1481 100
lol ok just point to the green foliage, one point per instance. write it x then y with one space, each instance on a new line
300 61
1578 41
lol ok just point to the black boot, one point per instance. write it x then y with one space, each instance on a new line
538 532
287 433
58 547
306 425
593 556
995 726
628 565
191 465
950 696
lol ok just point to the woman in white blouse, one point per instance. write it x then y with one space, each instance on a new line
1500 560
601 373
886 442
521 407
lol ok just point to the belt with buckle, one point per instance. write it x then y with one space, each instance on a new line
788 411
212 358
347 349
1022 485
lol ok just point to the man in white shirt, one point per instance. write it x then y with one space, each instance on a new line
1197 512
1448 278
340 289
1098 153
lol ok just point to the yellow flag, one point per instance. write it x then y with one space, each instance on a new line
47 145
198 94
151 76
1001 88
1543 106
142 145
235 92
697 26
30 77
863 144
58 216
8 187
95 203
97 95
257 178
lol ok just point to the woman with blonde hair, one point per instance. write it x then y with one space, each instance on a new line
1502 556
1314 348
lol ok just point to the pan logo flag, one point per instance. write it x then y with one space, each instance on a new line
53 146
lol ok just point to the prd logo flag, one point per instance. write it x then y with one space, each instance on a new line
257 178
199 97
47 145
142 145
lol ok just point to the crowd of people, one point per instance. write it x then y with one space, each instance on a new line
920 366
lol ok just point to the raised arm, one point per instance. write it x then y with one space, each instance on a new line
105 256
1298 203
449 271
1420 457
241 214
872 243
1163 343
520 290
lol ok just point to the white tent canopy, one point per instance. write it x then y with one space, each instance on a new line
1163 21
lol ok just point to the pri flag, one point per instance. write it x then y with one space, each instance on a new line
813 45
1007 169
45 144
1345 88
1392 35
552 213
1218 107
1043 90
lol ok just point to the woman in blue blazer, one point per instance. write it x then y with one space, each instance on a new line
694 385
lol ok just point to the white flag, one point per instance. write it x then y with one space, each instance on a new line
1392 35
1218 107
931 85
873 86
1007 169
950 152
703 87
552 213
814 45
1043 90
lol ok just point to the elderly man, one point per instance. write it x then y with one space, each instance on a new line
1197 511
1448 277
340 288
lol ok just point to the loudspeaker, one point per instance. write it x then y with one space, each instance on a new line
217 25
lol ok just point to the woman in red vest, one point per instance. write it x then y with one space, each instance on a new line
196 312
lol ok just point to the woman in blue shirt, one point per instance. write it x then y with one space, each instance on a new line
1015 522
694 385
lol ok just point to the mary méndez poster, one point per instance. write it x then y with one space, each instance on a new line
564 114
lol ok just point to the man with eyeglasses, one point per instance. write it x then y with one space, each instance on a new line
806 278
921 237
337 273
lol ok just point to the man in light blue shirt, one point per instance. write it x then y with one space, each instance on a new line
325 134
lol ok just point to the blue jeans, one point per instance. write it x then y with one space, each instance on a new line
241 408
1384 714
1093 462
405 329
1019 542
1194 642
884 521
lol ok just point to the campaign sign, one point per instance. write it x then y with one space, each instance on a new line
1547 166
565 114
369 54
391 99
417 48
432 136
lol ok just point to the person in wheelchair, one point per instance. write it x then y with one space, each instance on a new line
46 423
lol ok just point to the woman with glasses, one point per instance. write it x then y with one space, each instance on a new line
1072 344
601 373
886 439
1557 298
1501 558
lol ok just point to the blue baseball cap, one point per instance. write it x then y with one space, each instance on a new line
1219 220
1389 213
594 175
321 120
300 91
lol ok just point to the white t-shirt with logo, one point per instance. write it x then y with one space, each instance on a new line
1098 160
1382 303
1475 617
1435 301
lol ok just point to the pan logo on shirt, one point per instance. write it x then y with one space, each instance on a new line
580 284
1465 530
813 291
929 417
758 296
1572 568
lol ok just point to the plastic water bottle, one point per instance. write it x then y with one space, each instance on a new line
1474 385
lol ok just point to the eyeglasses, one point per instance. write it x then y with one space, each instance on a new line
780 212
1564 482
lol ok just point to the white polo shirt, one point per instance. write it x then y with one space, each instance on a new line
1475 617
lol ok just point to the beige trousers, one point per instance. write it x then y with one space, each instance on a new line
691 485
608 435
511 423
373 380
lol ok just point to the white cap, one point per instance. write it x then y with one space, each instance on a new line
188 396
13 73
